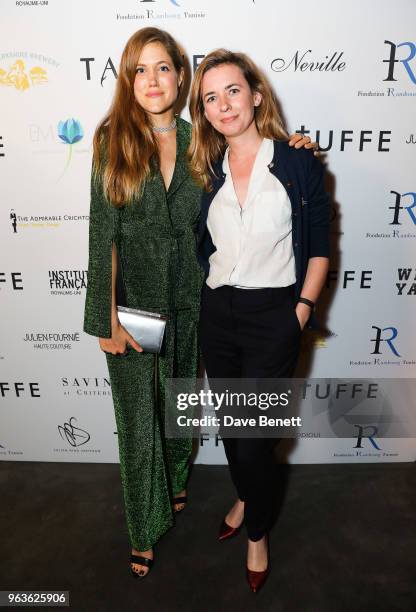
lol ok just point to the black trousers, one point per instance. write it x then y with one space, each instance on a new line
250 333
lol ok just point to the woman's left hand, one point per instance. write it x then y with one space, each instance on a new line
299 140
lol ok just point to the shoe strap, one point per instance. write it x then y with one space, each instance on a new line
141 560
180 500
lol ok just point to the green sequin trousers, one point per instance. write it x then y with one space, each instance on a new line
153 468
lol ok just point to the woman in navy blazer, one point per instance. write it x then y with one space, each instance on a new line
302 175
263 242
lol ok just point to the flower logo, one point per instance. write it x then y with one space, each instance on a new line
70 132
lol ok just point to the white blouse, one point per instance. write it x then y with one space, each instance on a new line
254 243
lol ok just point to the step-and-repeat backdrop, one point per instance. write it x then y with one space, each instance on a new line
344 73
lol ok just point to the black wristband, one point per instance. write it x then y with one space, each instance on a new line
307 302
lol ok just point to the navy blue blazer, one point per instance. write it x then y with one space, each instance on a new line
302 175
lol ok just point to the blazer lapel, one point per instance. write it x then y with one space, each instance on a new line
207 198
279 168
181 171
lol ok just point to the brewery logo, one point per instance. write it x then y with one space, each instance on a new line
401 216
406 284
357 279
350 140
67 282
86 386
51 341
7 452
44 222
411 139
21 78
302 61
386 349
70 132
11 280
19 389
74 437
25 69
157 10
400 69
1 147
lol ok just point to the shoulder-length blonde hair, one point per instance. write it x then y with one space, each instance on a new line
124 143
207 145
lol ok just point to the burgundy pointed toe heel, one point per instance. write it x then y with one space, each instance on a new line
256 579
226 531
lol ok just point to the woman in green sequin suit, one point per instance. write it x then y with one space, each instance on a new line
152 224
154 235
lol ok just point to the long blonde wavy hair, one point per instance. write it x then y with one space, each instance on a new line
124 144
208 145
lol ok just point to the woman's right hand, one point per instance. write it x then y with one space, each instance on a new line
117 344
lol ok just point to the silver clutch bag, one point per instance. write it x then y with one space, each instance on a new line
147 328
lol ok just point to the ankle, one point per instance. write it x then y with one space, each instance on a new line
143 553
257 555
235 516
258 543
238 506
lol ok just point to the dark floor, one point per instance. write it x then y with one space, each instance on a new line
345 540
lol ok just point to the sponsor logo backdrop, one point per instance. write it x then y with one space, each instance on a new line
345 74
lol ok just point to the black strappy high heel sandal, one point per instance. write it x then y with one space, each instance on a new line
142 561
179 500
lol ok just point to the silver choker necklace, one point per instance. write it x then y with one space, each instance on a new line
169 128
